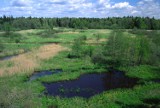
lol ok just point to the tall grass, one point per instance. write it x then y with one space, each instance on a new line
15 93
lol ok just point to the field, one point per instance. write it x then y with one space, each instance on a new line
77 52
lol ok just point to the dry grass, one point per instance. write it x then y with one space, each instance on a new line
104 31
48 51
24 32
70 32
92 41
28 62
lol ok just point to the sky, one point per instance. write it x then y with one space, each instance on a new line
80 8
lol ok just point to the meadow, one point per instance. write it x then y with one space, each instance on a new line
78 52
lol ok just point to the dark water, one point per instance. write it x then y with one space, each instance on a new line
90 84
156 80
11 56
7 57
152 101
44 73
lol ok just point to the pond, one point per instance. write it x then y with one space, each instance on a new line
88 85
39 74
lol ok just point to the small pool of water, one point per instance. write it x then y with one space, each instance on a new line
156 80
7 57
90 84
11 56
44 73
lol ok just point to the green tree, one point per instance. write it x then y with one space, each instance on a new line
7 28
155 54
112 49
98 56
144 50
125 50
77 48
98 37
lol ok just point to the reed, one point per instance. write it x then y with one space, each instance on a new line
28 62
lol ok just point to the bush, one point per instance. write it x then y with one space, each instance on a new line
98 36
83 38
98 56
124 50
7 28
48 33
87 51
77 48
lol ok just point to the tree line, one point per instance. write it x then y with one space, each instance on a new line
129 22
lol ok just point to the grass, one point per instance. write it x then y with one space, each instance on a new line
72 68
67 36
144 72
28 62
16 92
111 99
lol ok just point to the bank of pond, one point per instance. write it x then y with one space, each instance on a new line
87 85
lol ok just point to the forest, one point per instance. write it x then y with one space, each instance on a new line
130 22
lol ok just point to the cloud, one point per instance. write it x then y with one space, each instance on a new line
150 8
104 1
134 12
81 8
21 3
122 5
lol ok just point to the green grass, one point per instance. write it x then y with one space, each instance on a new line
72 68
111 99
16 92
13 49
66 37
144 72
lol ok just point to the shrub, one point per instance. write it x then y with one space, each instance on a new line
98 56
98 36
77 48
48 33
7 28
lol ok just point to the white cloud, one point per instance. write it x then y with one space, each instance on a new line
149 8
81 8
104 1
122 5
134 12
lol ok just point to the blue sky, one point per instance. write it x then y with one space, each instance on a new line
80 8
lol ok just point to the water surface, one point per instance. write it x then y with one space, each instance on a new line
8 57
90 84
11 56
44 73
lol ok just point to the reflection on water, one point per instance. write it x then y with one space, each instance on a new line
90 84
